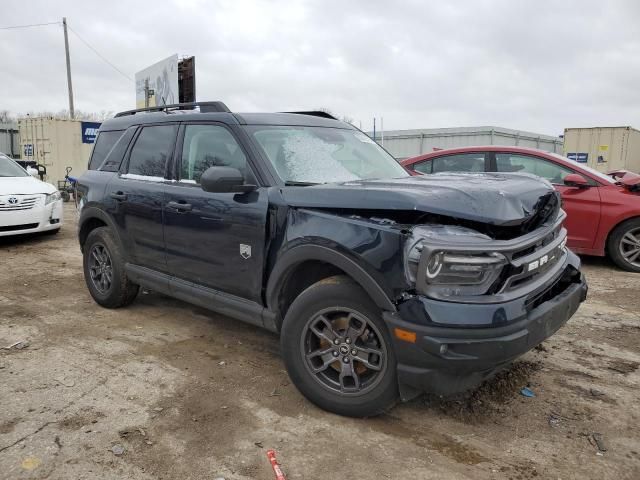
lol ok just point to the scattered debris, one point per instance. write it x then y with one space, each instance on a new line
117 449
274 393
598 438
19 345
64 382
31 463
57 441
527 392
222 363
271 455
623 367
258 444
541 348
554 420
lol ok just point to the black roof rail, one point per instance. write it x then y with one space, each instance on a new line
204 107
316 113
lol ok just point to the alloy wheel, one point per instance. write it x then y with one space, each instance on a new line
344 351
100 268
630 247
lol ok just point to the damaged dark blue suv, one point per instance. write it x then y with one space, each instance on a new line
380 285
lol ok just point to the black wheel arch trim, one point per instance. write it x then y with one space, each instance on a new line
89 213
302 253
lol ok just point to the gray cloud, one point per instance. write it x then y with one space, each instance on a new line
538 66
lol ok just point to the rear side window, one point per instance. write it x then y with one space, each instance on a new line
152 150
104 143
463 162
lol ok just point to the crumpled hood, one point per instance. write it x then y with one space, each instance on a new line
505 199
24 186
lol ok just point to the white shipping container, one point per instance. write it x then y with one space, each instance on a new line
410 143
604 148
9 141
56 144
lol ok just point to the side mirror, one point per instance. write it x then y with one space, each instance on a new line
224 180
32 171
576 180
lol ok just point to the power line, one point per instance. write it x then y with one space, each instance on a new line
98 54
13 27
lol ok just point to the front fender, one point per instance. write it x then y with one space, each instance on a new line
302 253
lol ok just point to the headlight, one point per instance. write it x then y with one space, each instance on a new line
444 271
450 273
52 197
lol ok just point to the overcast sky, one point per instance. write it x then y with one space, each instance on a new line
529 65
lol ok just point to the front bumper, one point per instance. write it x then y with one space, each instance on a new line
447 360
40 218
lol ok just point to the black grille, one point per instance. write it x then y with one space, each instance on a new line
12 228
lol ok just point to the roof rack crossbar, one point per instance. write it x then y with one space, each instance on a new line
316 113
204 107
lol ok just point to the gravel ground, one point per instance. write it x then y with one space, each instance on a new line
165 390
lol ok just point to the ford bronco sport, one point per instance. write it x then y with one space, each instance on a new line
380 285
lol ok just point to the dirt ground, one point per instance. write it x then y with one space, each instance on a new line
165 390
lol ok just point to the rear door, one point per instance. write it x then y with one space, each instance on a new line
215 240
581 204
136 195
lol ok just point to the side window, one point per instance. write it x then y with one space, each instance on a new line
423 167
509 162
102 147
152 150
206 146
463 162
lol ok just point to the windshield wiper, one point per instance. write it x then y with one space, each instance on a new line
293 183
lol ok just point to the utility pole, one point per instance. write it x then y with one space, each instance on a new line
66 51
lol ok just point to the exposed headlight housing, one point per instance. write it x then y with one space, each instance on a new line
52 197
443 272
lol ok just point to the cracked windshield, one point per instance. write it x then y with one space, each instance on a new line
311 155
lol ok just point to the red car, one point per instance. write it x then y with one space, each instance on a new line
603 211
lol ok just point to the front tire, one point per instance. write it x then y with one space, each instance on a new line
104 272
624 245
338 351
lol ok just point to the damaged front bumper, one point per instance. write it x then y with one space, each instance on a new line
484 338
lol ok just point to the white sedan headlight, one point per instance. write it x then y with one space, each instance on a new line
52 197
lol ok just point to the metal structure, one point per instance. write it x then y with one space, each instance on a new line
604 148
410 143
9 139
55 144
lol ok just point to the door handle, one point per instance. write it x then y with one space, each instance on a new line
120 196
179 206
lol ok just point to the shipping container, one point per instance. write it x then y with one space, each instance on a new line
410 143
9 139
57 144
604 148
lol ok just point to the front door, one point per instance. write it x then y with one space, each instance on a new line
136 196
581 204
215 240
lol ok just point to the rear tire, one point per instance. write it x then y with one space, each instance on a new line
623 245
104 270
338 351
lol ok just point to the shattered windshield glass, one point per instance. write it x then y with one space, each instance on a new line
324 155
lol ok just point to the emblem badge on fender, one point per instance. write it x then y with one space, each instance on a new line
245 251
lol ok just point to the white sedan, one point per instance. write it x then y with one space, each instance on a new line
27 205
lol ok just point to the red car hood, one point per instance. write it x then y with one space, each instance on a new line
627 179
